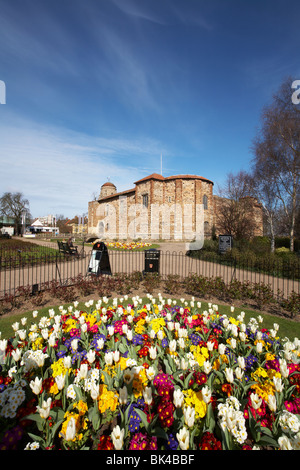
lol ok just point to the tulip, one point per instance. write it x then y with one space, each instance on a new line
71 430
239 373
189 416
284 370
52 340
150 372
160 335
116 356
241 362
207 367
259 347
178 398
110 330
60 381
108 357
147 394
206 394
285 443
3 345
152 352
123 395
44 410
278 384
183 437
67 362
36 385
82 373
117 436
255 400
16 354
74 344
221 349
229 374
100 343
91 355
94 391
272 402
183 364
172 345
128 376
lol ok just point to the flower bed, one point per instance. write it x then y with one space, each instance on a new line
155 376
128 246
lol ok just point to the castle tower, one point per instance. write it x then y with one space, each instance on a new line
107 189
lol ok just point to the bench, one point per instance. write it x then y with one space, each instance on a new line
64 248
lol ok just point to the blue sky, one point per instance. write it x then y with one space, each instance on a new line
99 89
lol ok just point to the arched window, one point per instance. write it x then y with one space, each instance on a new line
205 202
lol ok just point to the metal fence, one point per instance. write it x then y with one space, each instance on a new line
282 276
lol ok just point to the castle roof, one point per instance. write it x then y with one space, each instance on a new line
108 183
156 176
153 176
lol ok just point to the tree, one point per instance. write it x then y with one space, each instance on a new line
263 188
16 206
276 151
235 207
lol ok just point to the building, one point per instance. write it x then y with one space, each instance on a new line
45 224
78 225
158 208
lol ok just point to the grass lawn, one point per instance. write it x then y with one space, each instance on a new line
287 328
15 252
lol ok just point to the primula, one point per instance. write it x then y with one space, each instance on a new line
113 376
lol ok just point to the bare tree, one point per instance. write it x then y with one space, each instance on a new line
263 188
277 152
16 206
235 207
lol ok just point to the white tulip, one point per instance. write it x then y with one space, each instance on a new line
152 352
189 416
123 395
272 402
44 410
229 374
206 394
183 437
71 430
147 394
94 391
207 367
117 436
60 381
255 400
178 398
36 385
91 356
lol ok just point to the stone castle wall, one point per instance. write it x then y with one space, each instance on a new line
157 208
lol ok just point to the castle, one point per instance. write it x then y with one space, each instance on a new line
160 208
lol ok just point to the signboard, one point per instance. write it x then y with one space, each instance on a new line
225 243
99 260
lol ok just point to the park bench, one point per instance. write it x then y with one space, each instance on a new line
64 248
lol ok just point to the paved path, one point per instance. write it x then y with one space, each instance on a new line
172 261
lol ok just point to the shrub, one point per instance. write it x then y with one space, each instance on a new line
172 284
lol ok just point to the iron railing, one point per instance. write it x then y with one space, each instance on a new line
38 271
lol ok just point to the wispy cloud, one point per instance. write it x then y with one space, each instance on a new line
60 171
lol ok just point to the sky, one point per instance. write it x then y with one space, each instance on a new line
100 90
